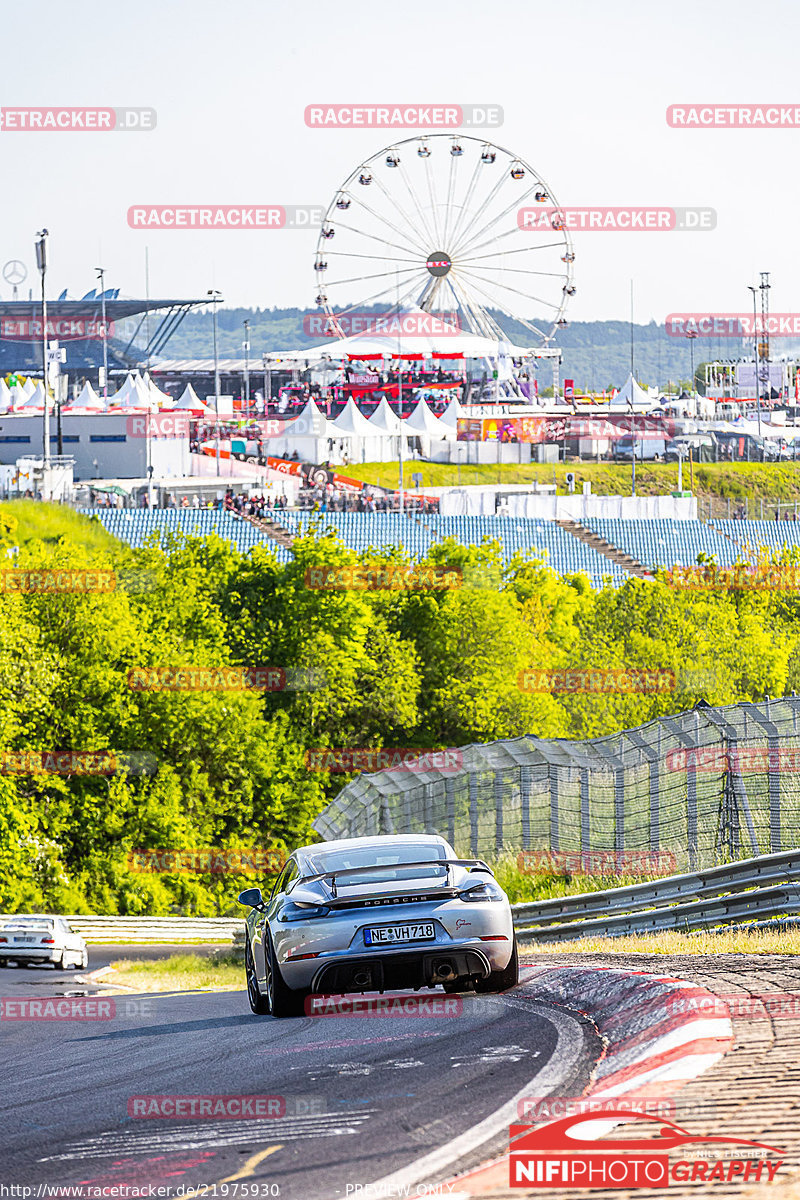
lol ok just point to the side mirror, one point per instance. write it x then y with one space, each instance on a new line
252 898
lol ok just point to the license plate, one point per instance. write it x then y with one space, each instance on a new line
390 934
17 940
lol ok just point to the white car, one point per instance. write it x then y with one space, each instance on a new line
377 913
41 939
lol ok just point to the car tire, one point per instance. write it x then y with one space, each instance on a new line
82 963
61 963
501 981
258 1003
282 1000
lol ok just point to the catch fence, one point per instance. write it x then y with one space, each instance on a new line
707 786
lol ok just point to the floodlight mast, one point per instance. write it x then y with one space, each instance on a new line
41 263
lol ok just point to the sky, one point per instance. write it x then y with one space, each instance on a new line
584 89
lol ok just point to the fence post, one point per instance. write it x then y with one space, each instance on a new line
525 801
473 814
552 771
585 836
450 802
619 810
498 811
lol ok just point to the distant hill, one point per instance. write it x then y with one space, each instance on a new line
597 354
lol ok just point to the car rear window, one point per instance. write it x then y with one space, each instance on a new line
28 923
390 857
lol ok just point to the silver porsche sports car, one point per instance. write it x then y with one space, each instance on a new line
377 913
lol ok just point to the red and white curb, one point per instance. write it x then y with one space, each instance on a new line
656 1040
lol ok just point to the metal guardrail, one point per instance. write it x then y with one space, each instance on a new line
97 929
731 894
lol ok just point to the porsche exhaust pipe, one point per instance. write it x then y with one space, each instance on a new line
443 970
362 978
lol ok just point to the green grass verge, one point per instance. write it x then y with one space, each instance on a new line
711 941
32 520
522 887
221 972
737 481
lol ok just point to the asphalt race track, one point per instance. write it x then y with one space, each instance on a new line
364 1096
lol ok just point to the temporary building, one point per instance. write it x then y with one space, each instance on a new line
89 399
423 421
385 420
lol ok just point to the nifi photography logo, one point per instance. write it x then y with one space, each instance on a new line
570 1152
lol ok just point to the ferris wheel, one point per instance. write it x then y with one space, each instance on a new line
432 223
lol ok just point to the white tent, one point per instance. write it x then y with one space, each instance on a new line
138 395
36 397
423 421
632 392
18 396
190 399
385 420
311 421
162 399
89 398
5 396
29 387
121 395
451 414
353 422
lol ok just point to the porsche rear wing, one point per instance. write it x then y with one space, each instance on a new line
330 877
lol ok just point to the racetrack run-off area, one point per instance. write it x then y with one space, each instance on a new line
363 1094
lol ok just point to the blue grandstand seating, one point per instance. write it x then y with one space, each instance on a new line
654 543
747 536
135 525
664 542
378 531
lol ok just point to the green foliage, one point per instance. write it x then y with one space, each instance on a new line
387 668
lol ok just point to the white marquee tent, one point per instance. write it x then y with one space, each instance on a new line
423 421
89 399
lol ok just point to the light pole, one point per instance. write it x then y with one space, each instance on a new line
246 345
267 383
41 262
215 299
101 274
754 290
691 335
